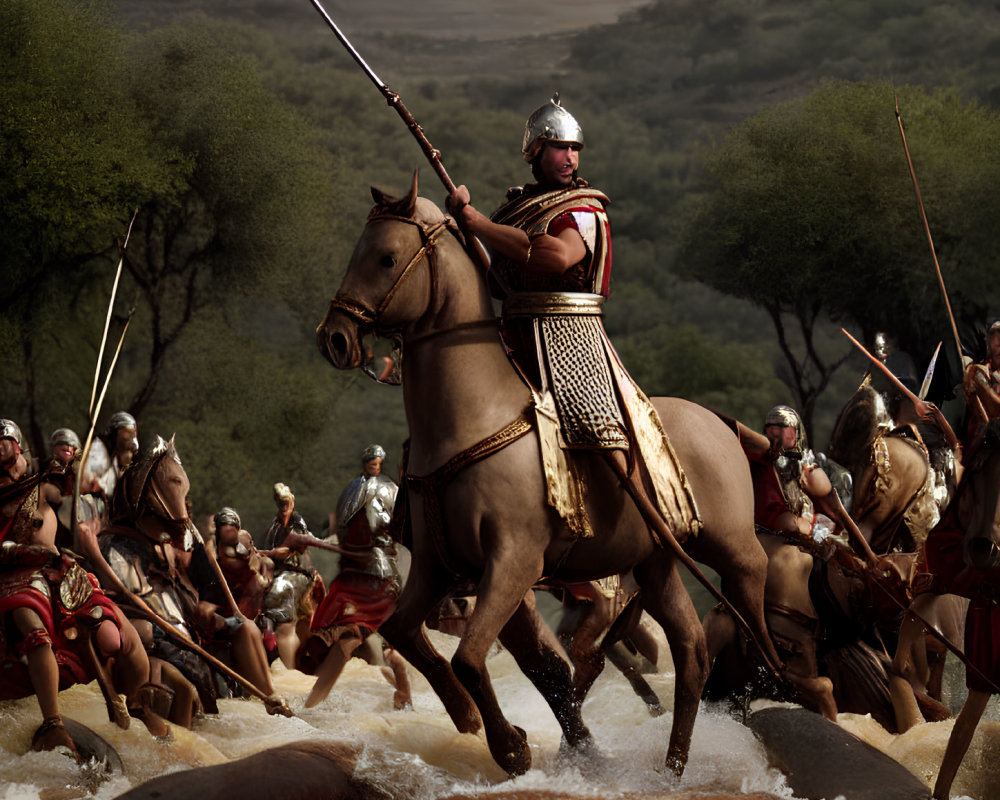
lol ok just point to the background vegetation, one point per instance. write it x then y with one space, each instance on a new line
761 199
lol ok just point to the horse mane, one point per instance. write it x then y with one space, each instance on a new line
133 481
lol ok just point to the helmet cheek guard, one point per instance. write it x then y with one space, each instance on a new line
550 123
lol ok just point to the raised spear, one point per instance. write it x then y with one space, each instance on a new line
393 99
927 230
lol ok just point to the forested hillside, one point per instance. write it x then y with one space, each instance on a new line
249 139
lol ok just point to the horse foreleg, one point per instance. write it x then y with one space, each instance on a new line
902 675
496 601
619 655
540 656
404 631
959 741
667 601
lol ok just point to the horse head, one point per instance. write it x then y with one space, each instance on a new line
389 285
979 501
152 493
856 427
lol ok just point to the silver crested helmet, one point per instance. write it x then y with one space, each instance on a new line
372 452
64 436
550 123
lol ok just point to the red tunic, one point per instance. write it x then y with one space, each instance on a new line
768 499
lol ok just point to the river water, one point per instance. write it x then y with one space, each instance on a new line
420 756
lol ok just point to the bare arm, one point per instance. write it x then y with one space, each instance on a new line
548 254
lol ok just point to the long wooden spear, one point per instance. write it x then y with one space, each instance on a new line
927 230
392 98
107 320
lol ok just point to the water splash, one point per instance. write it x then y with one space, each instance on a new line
418 754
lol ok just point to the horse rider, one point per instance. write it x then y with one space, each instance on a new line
248 572
297 584
64 448
113 451
550 248
364 593
58 627
981 385
13 464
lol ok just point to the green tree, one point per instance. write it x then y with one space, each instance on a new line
810 214
76 157
255 214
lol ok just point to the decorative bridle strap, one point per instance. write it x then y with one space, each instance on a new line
428 239
430 486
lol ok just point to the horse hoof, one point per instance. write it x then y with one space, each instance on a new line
676 763
517 758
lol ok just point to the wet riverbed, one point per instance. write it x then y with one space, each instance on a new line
418 754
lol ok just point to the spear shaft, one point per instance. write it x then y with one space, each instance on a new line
393 99
927 230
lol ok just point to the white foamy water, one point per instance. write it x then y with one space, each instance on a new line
418 754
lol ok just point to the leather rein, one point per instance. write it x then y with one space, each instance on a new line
430 486
361 311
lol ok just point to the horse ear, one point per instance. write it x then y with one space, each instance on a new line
409 203
380 197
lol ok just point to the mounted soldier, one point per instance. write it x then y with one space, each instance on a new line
113 451
153 550
550 247
58 627
981 385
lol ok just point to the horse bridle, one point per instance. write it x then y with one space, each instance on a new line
366 315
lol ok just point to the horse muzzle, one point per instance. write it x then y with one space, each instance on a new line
339 339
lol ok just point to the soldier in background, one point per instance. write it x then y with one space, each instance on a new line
297 585
365 591
113 451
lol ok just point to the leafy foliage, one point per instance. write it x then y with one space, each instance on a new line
811 212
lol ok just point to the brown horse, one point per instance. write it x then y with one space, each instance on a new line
894 507
149 549
487 519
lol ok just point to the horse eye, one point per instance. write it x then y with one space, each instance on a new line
387 261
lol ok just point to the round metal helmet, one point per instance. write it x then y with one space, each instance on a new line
788 417
994 328
9 430
120 419
550 123
64 436
227 516
372 452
